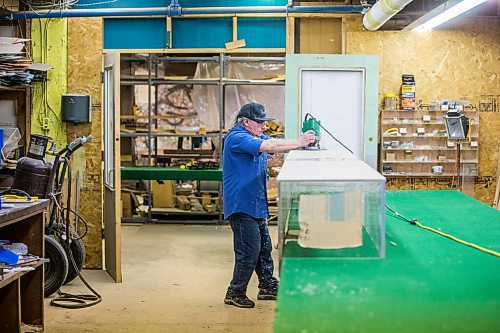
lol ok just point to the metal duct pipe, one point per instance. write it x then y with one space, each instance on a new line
177 11
381 12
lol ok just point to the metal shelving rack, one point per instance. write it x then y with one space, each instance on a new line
152 80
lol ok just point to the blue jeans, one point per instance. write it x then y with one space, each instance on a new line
252 250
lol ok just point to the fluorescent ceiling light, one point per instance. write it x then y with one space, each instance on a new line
450 11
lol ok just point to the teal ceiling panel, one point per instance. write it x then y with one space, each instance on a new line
135 33
262 32
201 33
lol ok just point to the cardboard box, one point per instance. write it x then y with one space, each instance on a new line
408 92
331 221
390 157
182 202
126 204
163 194
408 155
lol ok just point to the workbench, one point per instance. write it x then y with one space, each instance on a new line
426 283
21 293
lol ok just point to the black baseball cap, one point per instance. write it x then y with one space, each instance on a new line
254 111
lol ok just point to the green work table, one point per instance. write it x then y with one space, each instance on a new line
426 283
159 173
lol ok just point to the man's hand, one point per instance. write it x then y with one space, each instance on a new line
307 138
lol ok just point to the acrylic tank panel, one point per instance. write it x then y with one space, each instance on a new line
331 205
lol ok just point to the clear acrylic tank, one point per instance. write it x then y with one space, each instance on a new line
331 205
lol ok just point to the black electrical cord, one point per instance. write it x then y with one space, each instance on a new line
67 300
412 222
55 229
69 210
333 137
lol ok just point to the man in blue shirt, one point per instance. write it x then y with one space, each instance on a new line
244 170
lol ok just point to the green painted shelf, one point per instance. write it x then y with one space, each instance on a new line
158 173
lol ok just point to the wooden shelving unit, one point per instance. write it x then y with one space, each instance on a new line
419 142
21 293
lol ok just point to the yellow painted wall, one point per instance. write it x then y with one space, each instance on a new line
49 41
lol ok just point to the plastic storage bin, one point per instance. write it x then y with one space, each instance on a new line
331 205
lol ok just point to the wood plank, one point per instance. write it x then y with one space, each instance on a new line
235 44
169 31
235 29
112 193
318 15
290 35
22 211
198 51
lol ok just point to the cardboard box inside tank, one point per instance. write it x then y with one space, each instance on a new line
331 205
323 215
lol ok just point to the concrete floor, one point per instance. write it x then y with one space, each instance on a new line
174 280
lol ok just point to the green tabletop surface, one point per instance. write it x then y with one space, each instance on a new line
426 283
162 173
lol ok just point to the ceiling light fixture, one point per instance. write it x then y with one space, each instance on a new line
443 13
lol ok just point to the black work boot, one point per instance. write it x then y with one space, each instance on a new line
268 294
241 301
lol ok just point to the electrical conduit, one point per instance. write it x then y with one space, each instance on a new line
175 10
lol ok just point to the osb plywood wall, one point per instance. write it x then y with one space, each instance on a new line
463 62
324 35
84 76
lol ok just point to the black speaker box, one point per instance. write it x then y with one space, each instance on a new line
76 108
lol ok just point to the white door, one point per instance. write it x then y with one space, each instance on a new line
336 98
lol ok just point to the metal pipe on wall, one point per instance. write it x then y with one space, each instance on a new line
178 11
381 12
